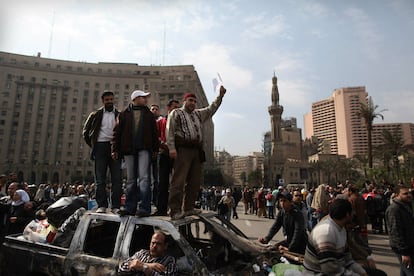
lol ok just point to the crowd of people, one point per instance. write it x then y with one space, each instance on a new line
19 202
328 224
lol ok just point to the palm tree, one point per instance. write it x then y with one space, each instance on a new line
362 161
368 112
393 146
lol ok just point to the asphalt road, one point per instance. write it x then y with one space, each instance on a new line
255 227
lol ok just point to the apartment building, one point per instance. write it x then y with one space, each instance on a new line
335 120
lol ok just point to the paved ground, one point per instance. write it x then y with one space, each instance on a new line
255 227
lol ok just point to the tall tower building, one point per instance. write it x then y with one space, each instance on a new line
335 121
275 112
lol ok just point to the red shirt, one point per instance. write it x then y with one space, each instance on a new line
161 124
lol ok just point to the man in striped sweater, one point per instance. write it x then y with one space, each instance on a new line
327 252
151 262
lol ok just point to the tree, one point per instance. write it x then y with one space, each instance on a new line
317 166
213 177
255 178
243 177
362 161
367 111
392 147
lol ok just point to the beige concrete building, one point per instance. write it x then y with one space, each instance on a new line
335 121
247 164
46 101
406 131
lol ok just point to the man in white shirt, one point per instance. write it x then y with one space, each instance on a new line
98 134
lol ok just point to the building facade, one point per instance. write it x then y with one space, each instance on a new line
284 162
224 161
45 103
246 165
335 121
336 124
406 130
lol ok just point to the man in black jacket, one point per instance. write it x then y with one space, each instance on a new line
400 220
136 140
98 134
293 223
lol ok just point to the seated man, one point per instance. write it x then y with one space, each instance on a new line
151 262
327 252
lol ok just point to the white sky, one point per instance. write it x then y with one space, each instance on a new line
313 46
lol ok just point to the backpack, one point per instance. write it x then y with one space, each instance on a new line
223 208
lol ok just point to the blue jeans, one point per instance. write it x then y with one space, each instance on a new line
227 215
103 161
138 185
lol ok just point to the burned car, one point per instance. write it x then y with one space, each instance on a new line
202 244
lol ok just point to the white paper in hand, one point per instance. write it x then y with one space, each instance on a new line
217 83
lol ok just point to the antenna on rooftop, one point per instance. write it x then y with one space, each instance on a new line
163 46
51 36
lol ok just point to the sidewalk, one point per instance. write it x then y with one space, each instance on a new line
255 227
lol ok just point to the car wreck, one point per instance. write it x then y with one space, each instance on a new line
203 244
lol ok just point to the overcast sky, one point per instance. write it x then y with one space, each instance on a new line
313 47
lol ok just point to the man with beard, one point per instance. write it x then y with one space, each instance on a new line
98 134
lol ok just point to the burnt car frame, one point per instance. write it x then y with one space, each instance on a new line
203 244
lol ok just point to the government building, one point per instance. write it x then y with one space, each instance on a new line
45 103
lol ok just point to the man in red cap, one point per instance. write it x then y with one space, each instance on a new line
185 143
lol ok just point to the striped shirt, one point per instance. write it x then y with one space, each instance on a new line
144 256
327 252
188 125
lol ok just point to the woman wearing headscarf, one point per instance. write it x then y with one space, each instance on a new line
19 215
320 202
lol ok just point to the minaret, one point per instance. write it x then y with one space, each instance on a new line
275 111
276 165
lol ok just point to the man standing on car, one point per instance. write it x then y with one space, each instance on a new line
98 134
165 163
185 144
136 140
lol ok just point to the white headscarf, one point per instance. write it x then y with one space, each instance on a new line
24 197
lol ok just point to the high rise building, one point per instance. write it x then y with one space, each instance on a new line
406 130
335 121
45 103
